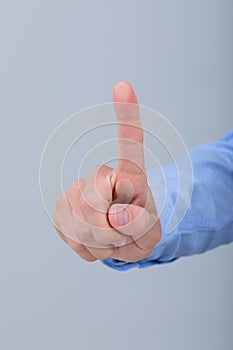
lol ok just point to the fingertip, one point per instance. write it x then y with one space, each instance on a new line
124 92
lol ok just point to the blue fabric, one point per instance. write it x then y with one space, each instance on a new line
208 221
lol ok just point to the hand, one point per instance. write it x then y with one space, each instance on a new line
111 213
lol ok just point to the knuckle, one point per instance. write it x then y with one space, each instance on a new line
74 185
61 201
96 169
61 235
77 247
90 258
104 237
85 206
103 253
59 207
84 236
81 251
100 169
58 203
106 254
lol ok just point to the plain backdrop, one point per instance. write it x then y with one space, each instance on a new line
58 57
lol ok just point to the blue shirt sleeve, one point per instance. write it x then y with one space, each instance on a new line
208 222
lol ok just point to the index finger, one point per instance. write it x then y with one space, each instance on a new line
130 153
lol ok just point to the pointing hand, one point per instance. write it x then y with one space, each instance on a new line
111 213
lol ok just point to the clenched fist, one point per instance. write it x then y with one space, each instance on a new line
111 213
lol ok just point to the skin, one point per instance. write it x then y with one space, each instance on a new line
111 213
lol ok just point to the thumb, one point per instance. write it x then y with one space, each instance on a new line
130 219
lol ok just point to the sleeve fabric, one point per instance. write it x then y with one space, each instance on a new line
208 222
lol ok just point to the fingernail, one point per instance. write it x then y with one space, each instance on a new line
121 216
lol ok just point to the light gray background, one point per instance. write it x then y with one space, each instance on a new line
56 58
